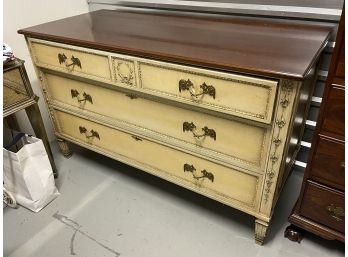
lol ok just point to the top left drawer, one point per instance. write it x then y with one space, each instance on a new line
92 65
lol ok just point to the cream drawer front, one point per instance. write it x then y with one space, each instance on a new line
80 63
218 179
245 143
243 96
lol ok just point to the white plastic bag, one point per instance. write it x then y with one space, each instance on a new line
28 173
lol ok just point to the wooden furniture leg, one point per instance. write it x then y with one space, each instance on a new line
11 122
64 148
37 124
260 231
294 233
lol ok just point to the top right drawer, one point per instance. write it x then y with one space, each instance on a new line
242 96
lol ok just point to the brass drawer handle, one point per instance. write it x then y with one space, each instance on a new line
93 133
74 61
86 97
335 212
132 96
190 126
136 138
205 174
343 165
205 89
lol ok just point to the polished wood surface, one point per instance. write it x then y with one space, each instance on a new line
328 162
333 121
324 205
340 65
320 206
268 48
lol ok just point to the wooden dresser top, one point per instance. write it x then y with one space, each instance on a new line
268 48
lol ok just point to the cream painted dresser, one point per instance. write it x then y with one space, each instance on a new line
213 105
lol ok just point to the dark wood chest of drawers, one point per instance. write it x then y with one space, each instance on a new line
320 207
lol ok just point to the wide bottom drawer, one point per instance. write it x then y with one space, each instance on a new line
324 205
200 175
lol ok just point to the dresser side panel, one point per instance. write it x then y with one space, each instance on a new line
286 106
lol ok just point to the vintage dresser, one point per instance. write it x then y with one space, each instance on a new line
215 105
320 207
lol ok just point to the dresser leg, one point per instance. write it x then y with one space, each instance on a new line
64 148
294 233
11 122
260 231
35 118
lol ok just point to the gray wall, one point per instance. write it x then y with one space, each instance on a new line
308 9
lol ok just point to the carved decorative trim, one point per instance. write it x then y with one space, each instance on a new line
15 86
129 77
47 98
286 89
261 228
64 148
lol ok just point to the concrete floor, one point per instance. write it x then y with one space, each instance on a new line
109 209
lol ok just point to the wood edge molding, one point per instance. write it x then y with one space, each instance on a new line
315 228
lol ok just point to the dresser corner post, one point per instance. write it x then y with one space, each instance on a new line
261 228
64 148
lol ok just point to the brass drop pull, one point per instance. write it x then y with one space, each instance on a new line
132 96
91 134
190 126
86 97
74 61
205 174
136 138
343 165
205 89
335 212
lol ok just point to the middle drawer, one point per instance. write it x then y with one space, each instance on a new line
245 143
232 186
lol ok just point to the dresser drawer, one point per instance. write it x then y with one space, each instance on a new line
334 112
243 96
198 174
77 62
246 144
324 205
328 163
